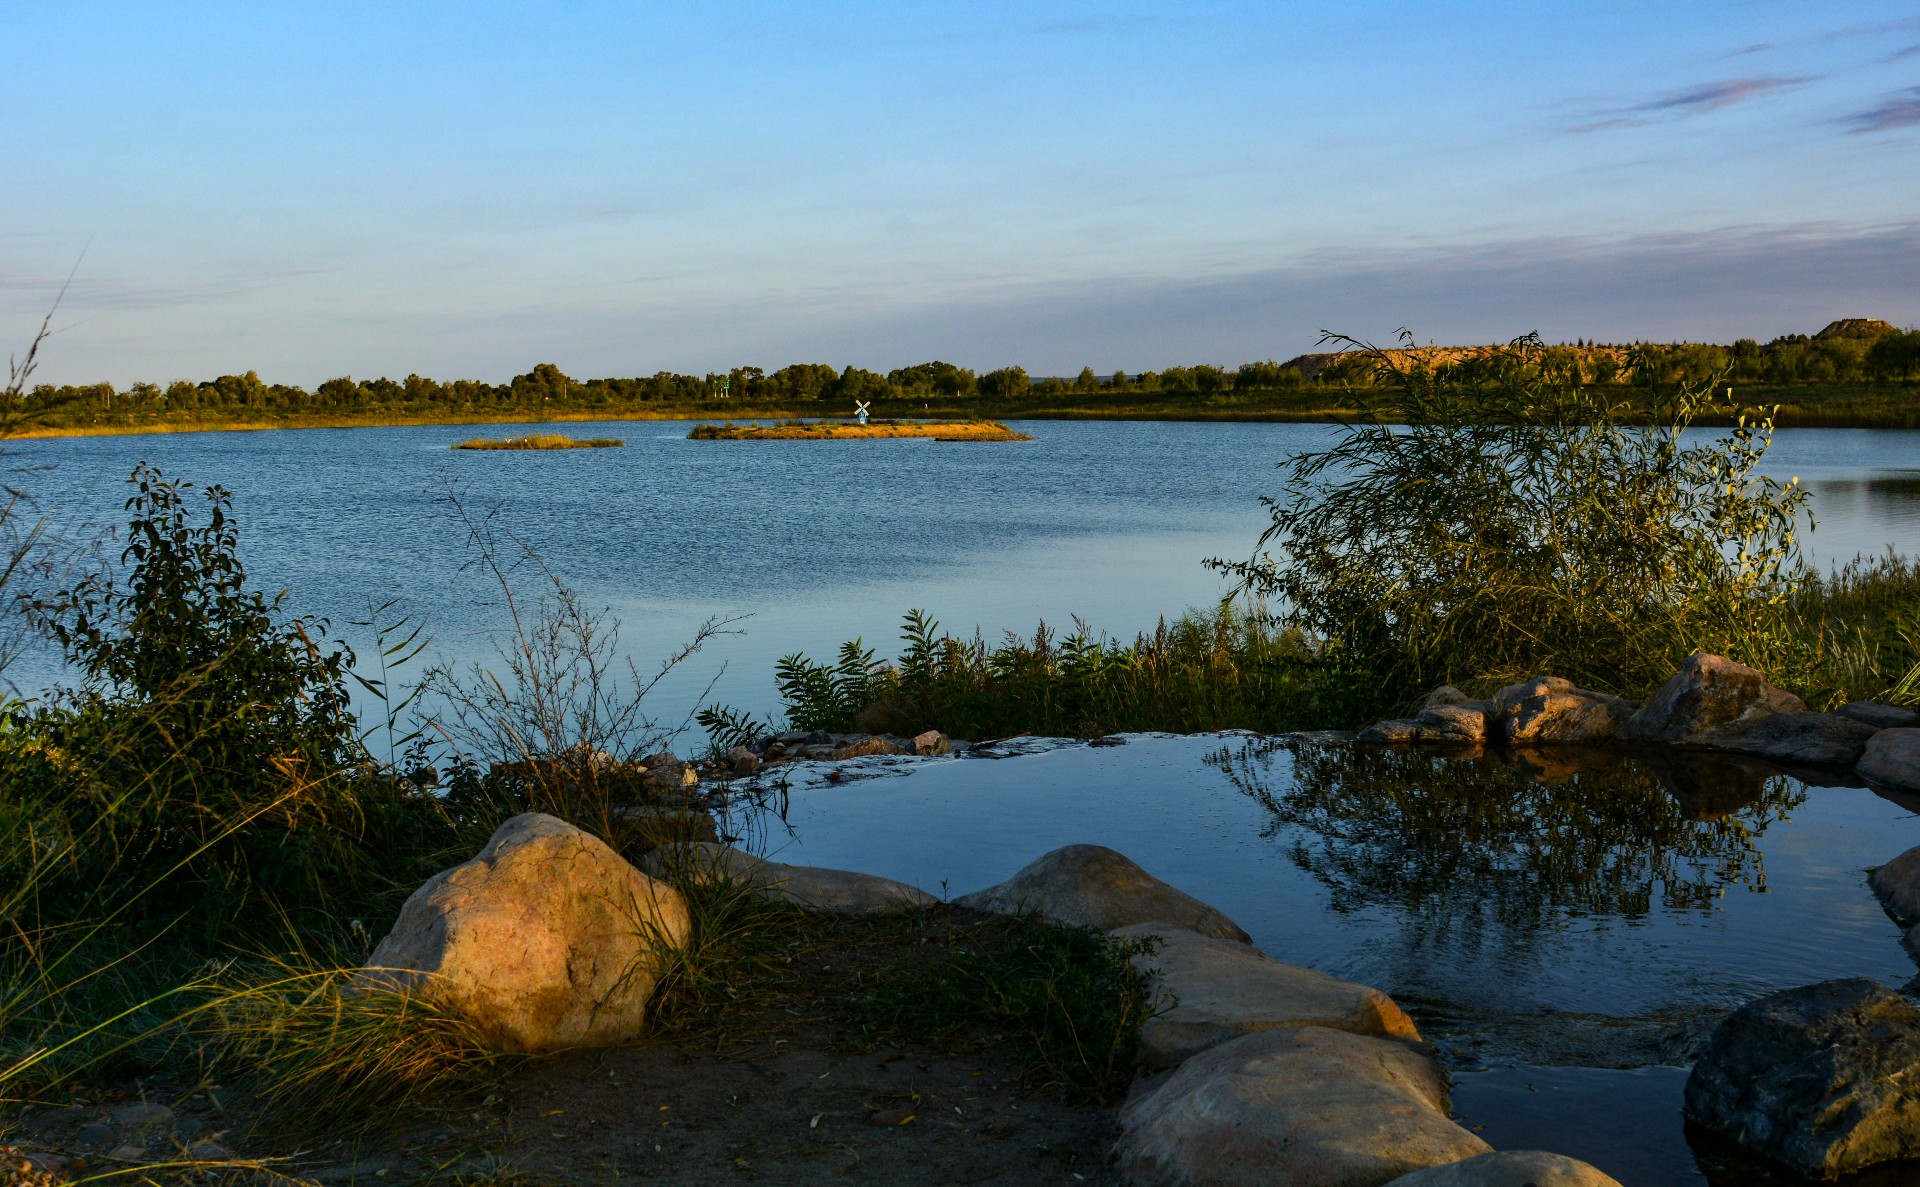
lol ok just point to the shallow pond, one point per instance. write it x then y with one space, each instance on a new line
1536 914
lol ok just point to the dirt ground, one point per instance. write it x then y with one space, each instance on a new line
789 1087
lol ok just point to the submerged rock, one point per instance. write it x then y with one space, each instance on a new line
842 892
1305 1106
1879 716
1093 886
1510 1168
1824 1078
1709 693
547 939
1550 711
1892 759
1222 990
1796 736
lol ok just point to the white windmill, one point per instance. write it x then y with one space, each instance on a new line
860 410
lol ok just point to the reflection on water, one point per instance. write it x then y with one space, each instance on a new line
1494 848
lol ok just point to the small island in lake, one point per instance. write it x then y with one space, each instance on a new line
541 441
841 430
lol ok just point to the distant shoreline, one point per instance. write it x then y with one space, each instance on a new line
1865 407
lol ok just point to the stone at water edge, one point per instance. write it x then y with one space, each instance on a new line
1549 710
1879 716
1093 886
1510 1168
1305 1106
931 744
842 892
547 939
1221 990
1824 1078
1898 885
865 747
1436 725
742 761
1892 759
1796 736
1707 693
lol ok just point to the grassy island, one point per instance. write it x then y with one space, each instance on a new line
541 441
846 430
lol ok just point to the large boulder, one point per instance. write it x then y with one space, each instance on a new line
1093 886
1510 1168
1708 693
1550 711
1879 716
1824 1078
1796 736
1898 885
547 939
1305 1106
842 892
1892 759
1221 990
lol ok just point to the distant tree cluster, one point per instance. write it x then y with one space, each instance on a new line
1849 352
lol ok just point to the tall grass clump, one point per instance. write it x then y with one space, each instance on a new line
1497 518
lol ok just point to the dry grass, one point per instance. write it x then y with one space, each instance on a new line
838 430
541 441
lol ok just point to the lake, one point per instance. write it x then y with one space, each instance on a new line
808 543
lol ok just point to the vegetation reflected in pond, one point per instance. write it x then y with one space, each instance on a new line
1513 843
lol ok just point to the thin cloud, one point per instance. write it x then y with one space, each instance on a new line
1901 54
1694 100
1898 110
1756 48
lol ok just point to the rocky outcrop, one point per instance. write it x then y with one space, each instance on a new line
841 892
1306 1106
1898 885
1550 711
1879 716
1892 759
1221 990
1093 886
547 939
930 744
1435 725
1824 1078
1708 694
1796 736
1510 1168
867 747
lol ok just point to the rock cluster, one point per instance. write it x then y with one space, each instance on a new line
821 746
1711 703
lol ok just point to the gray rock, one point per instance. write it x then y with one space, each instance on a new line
1222 990
1892 759
742 761
1305 1106
1898 885
1708 693
1797 736
1437 725
127 1152
1510 1168
1446 694
1824 1078
1395 731
1093 886
864 747
547 939
208 1151
842 892
931 743
657 826
140 1116
1879 716
1550 711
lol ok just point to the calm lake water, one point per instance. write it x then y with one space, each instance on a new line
814 542
1566 933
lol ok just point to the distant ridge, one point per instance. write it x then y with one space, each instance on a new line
1857 327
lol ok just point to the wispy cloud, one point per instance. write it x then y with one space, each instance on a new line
1694 100
1759 47
1898 110
1902 54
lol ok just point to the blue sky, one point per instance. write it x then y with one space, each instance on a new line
467 189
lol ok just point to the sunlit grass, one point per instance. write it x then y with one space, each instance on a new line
541 441
841 430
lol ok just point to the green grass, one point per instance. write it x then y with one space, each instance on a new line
541 441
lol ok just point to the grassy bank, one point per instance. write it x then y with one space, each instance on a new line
541 441
841 430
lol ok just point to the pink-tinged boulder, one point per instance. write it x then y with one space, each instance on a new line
1305 1106
547 939
1709 693
1221 990
1898 885
1510 1168
1093 886
1892 759
1550 711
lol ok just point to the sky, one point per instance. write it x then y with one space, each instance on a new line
467 189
